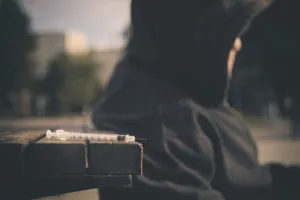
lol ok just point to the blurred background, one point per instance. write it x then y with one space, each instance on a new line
56 57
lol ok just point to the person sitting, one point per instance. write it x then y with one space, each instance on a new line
170 88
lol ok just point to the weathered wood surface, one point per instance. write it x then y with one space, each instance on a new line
55 157
103 158
13 146
31 161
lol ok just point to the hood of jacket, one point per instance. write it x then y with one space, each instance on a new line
187 42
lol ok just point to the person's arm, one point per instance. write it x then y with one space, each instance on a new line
186 164
195 169
179 161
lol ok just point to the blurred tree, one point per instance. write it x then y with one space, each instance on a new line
15 43
26 76
71 83
54 81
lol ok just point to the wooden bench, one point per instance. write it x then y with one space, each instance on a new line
32 166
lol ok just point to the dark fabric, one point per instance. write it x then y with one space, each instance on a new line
191 152
187 42
169 88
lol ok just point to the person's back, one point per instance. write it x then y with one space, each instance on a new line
170 88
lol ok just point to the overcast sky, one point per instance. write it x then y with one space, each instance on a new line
101 21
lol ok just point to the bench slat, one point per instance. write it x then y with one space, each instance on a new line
12 148
115 158
34 166
56 157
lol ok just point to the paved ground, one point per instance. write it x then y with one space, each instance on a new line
272 138
275 144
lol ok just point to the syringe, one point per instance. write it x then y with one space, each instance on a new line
65 135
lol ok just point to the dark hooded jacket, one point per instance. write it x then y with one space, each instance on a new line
169 88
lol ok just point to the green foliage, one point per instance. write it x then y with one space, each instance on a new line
72 81
26 78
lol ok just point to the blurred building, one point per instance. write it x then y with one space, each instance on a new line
49 44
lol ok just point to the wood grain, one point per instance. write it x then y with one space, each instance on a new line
56 157
33 166
12 148
117 158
